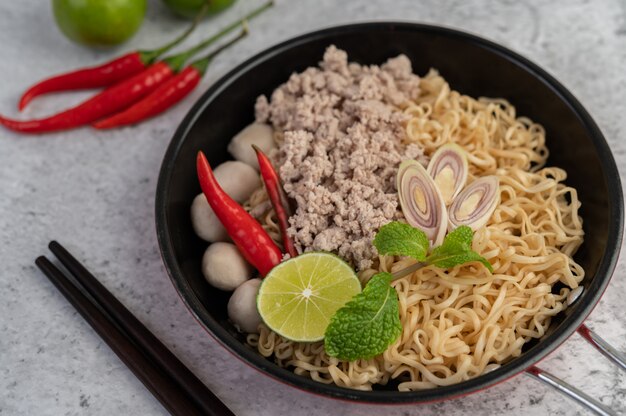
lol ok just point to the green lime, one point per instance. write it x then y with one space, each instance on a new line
190 8
99 22
299 296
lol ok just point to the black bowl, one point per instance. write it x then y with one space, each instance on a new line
473 66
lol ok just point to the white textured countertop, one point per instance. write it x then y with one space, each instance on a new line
94 192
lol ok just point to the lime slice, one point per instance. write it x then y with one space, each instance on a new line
299 296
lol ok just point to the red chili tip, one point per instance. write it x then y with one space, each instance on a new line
201 160
24 102
104 124
28 96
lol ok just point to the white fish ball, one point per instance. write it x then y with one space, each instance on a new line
242 307
224 267
205 223
261 135
237 179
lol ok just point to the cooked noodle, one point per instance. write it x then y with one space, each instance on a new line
462 322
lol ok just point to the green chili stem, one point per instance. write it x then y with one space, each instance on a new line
176 62
202 63
148 57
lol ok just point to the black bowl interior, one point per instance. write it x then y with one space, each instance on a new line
473 66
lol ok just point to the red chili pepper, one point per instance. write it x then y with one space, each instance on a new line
94 77
118 69
277 195
109 101
253 242
106 74
128 92
166 95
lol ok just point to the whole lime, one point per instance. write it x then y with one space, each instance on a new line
190 8
99 22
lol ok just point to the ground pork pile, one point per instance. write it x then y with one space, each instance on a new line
341 146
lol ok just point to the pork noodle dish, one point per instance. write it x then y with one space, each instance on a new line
378 227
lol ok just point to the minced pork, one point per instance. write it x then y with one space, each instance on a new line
342 131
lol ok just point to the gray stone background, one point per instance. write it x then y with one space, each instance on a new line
94 192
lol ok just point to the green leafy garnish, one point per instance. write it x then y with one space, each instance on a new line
456 249
400 239
368 324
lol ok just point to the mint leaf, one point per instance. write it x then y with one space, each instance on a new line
400 239
456 249
368 324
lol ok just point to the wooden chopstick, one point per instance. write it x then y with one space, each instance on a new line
198 392
173 384
161 386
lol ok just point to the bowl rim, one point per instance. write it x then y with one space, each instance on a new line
545 346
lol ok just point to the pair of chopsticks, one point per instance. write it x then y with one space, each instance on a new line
168 379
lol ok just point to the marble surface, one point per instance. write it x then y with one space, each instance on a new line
94 192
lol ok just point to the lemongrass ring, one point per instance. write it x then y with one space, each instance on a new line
421 201
475 204
448 168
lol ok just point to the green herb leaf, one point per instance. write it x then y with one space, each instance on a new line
368 324
400 239
456 249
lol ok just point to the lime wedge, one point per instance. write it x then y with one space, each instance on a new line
298 297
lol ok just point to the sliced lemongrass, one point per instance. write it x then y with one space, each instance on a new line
475 204
448 168
421 201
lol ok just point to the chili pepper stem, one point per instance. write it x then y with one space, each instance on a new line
176 62
108 73
165 96
148 57
121 68
202 64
